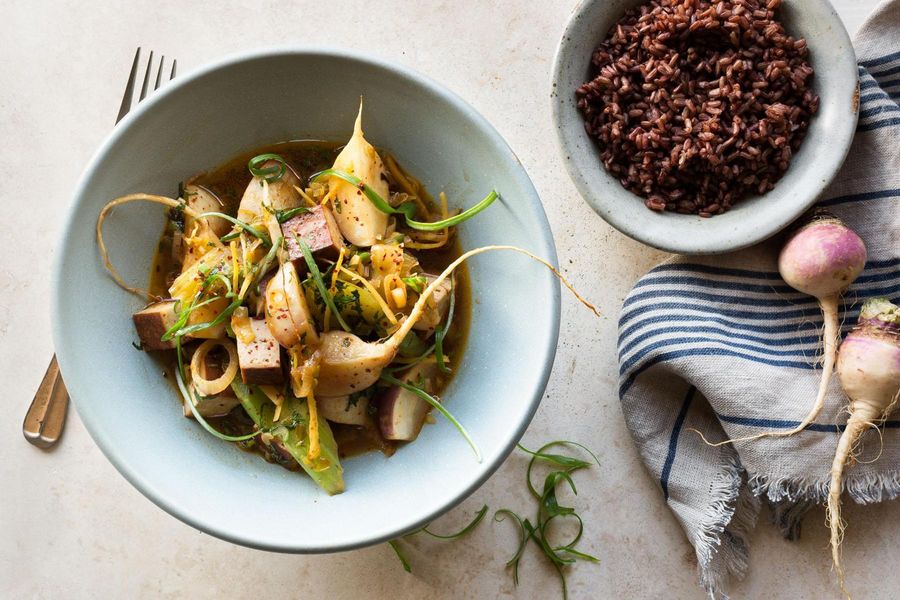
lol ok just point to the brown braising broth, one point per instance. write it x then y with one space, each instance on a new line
228 182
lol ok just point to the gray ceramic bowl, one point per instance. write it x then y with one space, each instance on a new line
752 219
132 411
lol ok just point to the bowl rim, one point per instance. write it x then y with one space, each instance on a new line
488 466
687 245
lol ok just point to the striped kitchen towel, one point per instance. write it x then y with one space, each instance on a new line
723 346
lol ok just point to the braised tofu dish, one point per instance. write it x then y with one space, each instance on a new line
306 300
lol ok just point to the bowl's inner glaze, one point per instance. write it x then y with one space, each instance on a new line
133 412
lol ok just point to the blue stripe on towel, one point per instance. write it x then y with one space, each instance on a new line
868 85
879 195
797 353
881 74
880 109
752 315
667 356
755 328
780 424
764 342
714 284
879 96
878 124
716 271
673 441
874 62
773 301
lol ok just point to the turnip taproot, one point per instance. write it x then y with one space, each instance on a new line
868 367
349 364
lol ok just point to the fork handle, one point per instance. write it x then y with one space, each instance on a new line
47 414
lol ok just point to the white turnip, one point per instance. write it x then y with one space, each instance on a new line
822 257
868 367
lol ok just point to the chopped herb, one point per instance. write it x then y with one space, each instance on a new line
354 398
452 536
138 346
176 216
245 226
402 558
417 283
395 544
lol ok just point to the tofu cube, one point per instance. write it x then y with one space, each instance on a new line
260 359
152 322
320 232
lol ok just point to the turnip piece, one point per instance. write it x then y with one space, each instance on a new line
203 200
280 194
350 364
401 413
360 222
869 371
287 313
344 410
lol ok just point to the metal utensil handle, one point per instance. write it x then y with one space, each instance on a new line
46 416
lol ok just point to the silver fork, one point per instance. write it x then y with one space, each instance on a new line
46 416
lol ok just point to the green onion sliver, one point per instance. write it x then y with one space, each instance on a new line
285 215
189 398
452 536
320 284
407 209
436 405
270 173
226 313
245 226
399 553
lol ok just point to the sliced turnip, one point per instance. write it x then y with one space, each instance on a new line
203 200
401 413
360 222
436 312
346 410
213 406
287 313
281 194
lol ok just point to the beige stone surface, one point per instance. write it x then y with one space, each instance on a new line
72 527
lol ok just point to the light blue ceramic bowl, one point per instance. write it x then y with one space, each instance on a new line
132 412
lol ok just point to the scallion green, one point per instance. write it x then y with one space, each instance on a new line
268 173
407 209
320 283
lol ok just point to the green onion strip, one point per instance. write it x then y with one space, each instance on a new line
388 378
407 209
270 173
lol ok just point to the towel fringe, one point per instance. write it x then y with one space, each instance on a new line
791 499
721 541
